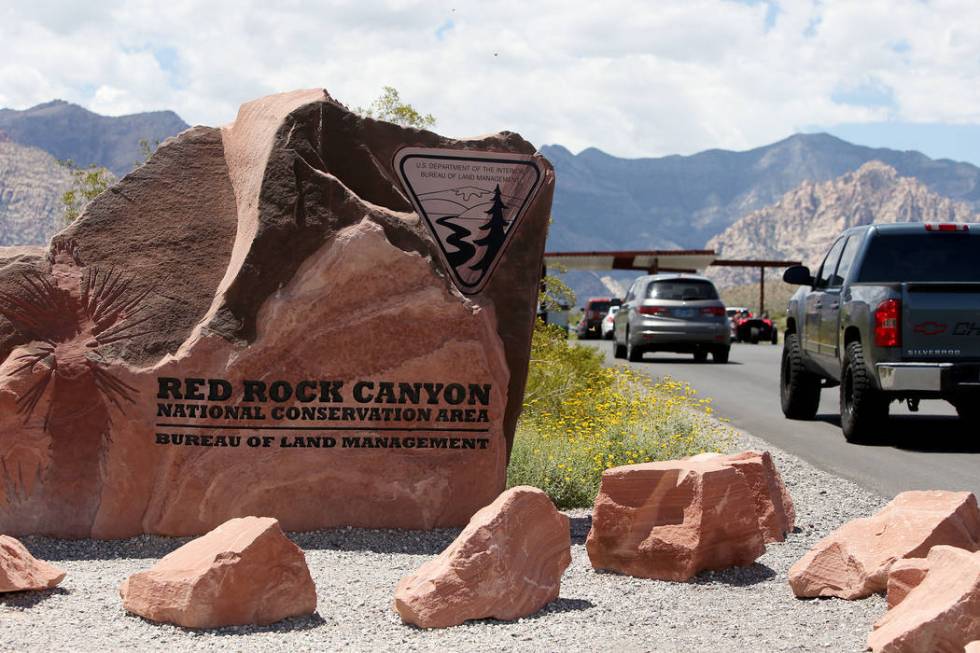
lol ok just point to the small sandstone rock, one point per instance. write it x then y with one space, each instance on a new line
774 506
506 564
903 577
20 571
671 520
941 614
853 561
246 571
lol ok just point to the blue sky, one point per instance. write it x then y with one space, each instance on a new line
631 78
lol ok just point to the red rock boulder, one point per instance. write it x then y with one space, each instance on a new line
671 520
853 561
941 614
246 571
506 564
903 577
773 504
268 313
20 571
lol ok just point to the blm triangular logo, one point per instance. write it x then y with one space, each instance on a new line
472 202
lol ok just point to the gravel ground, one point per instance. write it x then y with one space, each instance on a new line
744 609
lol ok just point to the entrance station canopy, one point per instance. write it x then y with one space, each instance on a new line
666 260
660 260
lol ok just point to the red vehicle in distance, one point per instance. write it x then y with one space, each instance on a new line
596 309
746 327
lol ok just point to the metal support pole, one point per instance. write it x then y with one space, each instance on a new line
762 291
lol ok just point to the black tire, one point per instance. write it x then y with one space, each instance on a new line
969 413
863 409
720 355
775 336
619 351
799 389
633 354
700 356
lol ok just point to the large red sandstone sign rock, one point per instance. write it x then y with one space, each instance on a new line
671 520
257 322
506 564
20 571
246 571
773 504
942 613
854 560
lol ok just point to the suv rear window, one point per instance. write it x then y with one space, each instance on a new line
682 289
926 257
602 307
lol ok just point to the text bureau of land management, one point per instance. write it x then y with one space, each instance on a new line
416 410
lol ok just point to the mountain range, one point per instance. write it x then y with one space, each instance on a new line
750 203
605 202
70 132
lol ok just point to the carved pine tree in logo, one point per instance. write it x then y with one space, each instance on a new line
65 316
496 228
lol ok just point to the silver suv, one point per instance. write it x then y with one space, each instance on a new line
672 312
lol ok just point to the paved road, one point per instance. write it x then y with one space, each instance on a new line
927 450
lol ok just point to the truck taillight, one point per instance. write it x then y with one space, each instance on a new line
947 226
887 332
716 311
653 310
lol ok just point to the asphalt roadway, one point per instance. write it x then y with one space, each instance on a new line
928 450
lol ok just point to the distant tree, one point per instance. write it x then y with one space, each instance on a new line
496 228
87 184
555 295
389 107
147 148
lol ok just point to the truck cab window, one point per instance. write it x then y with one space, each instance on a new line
846 261
829 265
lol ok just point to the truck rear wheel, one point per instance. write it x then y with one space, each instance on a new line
799 390
969 413
863 409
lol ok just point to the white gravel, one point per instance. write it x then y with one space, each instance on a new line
748 609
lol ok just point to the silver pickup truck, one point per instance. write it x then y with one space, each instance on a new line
893 313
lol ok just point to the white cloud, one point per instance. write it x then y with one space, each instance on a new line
632 78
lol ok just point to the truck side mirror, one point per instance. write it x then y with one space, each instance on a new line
798 275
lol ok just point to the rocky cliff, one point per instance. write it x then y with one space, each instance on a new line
31 184
805 221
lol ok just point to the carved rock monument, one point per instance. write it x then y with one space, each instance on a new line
305 314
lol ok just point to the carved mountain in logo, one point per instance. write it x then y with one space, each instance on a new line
472 202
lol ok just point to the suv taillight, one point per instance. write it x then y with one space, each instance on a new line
887 332
717 311
653 310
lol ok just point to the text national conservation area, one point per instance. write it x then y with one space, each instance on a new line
206 407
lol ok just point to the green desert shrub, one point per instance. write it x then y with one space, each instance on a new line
581 418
